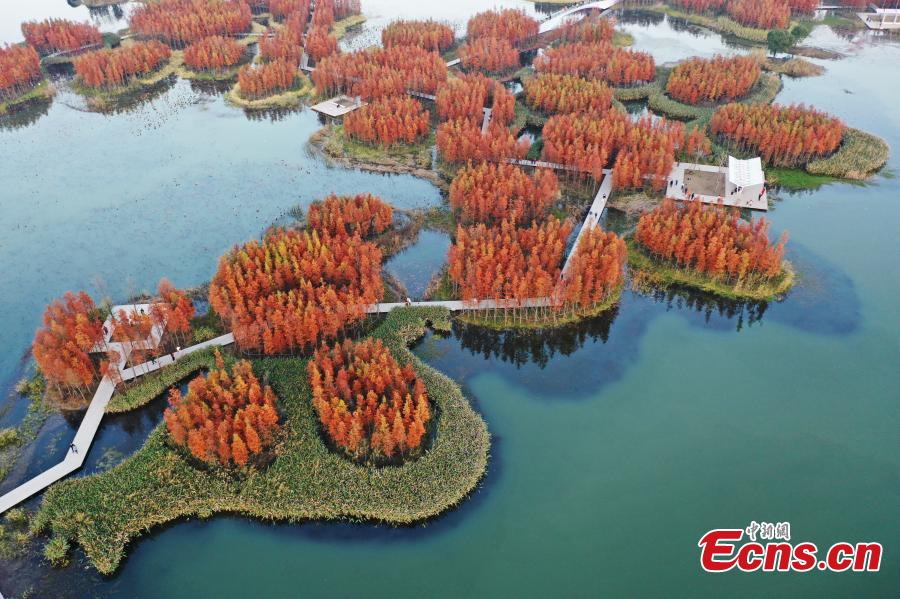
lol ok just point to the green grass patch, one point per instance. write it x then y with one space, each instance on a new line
652 272
342 27
796 179
42 91
306 481
861 155
150 386
287 99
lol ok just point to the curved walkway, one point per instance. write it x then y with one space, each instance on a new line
91 423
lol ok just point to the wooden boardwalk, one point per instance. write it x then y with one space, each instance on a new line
593 216
91 423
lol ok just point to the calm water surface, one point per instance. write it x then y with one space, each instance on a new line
617 443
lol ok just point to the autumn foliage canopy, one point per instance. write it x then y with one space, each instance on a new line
181 22
380 72
782 135
489 193
462 140
112 68
764 14
369 407
388 121
259 81
510 24
71 328
562 94
363 215
284 44
60 35
719 78
295 289
489 54
225 419
710 240
595 271
617 66
214 53
430 35
20 70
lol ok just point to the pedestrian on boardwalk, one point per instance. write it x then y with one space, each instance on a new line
73 448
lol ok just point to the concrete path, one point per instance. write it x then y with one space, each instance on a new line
91 423
593 216
461 305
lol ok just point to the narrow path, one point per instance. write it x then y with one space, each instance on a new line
91 423
593 216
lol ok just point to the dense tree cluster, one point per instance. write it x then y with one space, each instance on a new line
370 408
584 141
489 193
647 153
363 215
321 43
587 30
381 72
215 53
710 240
60 35
562 94
489 54
640 153
329 11
20 70
430 35
294 289
225 419
510 24
712 80
463 140
286 43
595 271
72 327
388 121
258 81
181 22
112 68
282 9
783 135
618 66
465 97
697 144
173 311
765 14
508 262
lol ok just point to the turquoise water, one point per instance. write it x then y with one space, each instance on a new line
616 444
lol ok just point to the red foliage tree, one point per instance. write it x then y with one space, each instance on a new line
595 271
225 419
370 408
214 53
583 141
489 54
647 154
555 94
181 22
463 97
507 262
509 24
700 5
111 68
765 14
174 311
60 35
363 215
588 30
490 193
286 43
381 72
321 43
281 9
463 140
72 327
711 240
266 79
618 66
388 121
430 35
295 289
783 135
712 80
20 70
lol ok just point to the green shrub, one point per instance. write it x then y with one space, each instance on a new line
56 551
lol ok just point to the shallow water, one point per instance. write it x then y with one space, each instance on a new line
616 443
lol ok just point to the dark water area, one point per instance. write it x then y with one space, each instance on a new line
616 443
416 265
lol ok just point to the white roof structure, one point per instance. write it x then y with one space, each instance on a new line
339 106
745 173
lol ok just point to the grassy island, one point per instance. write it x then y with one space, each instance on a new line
289 98
306 480
42 91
